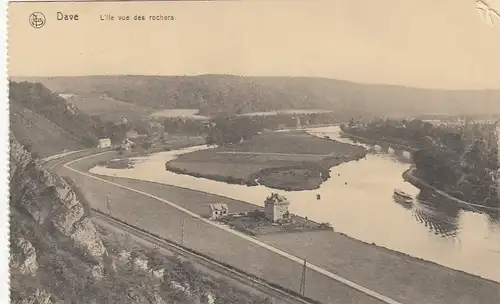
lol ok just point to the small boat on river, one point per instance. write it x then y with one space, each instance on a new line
402 197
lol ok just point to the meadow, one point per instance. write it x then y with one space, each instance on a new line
282 160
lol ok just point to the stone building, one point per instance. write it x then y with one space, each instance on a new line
276 208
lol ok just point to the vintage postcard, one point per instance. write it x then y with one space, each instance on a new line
254 152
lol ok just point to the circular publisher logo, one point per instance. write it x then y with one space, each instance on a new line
37 20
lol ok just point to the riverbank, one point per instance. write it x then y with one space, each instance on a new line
290 161
455 174
125 158
411 177
384 140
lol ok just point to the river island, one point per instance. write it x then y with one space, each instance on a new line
291 161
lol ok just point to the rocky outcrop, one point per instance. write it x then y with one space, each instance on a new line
208 298
38 296
50 199
23 257
156 299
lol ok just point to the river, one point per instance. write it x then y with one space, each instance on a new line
357 201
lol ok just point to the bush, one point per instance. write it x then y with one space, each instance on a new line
257 214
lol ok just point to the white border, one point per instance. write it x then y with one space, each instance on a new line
4 162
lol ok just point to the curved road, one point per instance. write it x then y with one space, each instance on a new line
368 292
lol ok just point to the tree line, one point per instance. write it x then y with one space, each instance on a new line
226 128
460 159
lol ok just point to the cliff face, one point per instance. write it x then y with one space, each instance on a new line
50 199
47 222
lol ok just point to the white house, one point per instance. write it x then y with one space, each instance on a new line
104 143
218 210
276 207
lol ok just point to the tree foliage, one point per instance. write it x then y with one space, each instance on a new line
226 130
462 160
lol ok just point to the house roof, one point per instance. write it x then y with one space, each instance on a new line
218 207
277 199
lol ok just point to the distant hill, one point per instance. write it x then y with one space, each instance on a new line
218 93
44 121
39 134
109 109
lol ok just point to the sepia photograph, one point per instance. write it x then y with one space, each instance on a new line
274 152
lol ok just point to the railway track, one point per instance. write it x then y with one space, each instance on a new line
259 284
312 267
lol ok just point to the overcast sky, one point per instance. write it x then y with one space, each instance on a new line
422 43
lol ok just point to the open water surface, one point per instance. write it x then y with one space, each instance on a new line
357 201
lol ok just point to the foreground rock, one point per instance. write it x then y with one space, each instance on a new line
23 256
50 199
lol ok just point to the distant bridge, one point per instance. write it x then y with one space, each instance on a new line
404 151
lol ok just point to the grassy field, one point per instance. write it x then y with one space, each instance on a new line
109 109
281 160
40 134
169 113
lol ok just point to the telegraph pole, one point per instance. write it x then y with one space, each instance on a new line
182 232
108 205
303 279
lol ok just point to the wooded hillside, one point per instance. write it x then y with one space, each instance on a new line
234 94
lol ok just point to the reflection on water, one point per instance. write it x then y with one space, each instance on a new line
442 217
440 221
357 200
